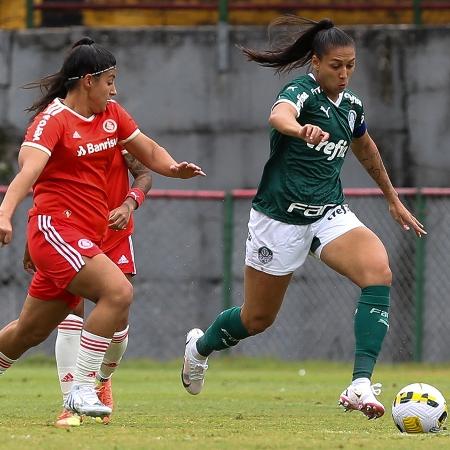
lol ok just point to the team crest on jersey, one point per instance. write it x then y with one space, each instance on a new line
85 244
109 126
265 255
351 119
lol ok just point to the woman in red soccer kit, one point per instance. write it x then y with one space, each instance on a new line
66 157
118 246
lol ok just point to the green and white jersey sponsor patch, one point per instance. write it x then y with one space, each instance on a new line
301 181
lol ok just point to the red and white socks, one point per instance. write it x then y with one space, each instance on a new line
113 355
90 357
66 351
5 363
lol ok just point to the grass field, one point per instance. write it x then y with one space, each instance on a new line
246 404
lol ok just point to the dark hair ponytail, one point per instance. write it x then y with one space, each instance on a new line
317 39
84 57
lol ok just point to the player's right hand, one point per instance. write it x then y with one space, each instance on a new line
312 134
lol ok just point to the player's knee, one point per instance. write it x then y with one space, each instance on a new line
377 274
258 324
121 296
383 275
387 276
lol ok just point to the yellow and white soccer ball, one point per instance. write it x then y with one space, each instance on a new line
419 408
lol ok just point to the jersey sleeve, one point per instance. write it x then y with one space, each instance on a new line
44 133
294 94
127 128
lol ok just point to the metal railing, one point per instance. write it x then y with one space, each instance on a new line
190 253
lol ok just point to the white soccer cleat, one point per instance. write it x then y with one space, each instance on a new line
193 371
361 397
83 400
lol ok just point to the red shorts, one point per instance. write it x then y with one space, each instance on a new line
57 251
122 255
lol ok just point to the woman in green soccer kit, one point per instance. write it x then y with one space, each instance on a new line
300 208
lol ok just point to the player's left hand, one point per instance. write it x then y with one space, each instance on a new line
119 217
5 230
402 215
186 170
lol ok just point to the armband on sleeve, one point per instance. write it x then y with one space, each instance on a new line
137 195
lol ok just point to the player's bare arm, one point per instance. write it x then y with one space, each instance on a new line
365 149
119 217
284 119
156 158
141 174
31 164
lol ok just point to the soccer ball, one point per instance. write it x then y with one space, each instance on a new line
419 408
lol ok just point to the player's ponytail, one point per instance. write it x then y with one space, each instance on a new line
85 57
296 49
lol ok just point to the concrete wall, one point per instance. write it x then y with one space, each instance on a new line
168 79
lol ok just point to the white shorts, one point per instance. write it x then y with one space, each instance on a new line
279 248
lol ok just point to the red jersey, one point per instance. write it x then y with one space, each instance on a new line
117 189
73 187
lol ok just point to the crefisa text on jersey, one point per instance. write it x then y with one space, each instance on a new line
330 148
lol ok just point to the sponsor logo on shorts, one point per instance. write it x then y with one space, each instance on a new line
109 126
341 209
265 255
123 260
85 243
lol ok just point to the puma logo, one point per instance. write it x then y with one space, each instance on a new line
326 111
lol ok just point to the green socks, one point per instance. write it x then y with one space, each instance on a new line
226 331
371 325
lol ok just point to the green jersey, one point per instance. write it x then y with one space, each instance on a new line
301 181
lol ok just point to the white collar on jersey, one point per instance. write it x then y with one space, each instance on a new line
339 99
86 119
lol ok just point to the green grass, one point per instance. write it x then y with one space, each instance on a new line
246 404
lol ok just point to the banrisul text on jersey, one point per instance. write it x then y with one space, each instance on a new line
301 181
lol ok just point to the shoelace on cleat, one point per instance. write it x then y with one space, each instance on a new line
197 371
88 395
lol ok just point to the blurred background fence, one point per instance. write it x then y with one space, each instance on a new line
190 254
